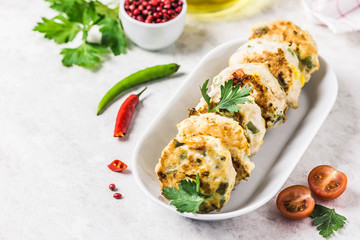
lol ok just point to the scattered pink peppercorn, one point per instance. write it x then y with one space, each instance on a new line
160 11
112 187
117 195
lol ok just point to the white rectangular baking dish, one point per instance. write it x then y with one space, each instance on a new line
281 151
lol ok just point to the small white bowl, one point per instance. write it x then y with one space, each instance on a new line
153 36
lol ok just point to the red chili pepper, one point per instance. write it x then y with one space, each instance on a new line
117 166
125 114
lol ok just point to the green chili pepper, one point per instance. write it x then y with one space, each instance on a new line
134 79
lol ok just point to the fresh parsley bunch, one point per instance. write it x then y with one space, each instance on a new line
231 96
76 16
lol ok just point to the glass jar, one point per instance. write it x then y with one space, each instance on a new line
204 6
225 9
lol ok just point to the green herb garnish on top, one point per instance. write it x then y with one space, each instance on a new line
231 96
76 16
327 220
188 197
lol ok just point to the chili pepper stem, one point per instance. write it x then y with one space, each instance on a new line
138 95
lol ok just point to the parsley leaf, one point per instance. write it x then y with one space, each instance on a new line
89 16
86 55
327 220
112 35
59 28
61 5
188 197
204 90
106 11
72 8
231 96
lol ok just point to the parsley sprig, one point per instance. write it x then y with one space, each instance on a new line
327 220
188 197
76 16
231 96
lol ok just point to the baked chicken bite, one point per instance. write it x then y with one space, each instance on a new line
300 41
250 119
253 124
281 61
266 91
203 155
228 131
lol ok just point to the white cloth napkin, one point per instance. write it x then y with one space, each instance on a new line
340 16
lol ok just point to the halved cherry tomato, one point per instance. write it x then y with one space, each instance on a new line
326 182
117 166
295 202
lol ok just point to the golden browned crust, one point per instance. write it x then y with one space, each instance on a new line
300 41
262 96
277 63
228 131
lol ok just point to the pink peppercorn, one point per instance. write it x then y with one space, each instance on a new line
154 2
136 12
112 187
117 195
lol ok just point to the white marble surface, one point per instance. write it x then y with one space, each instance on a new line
54 150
